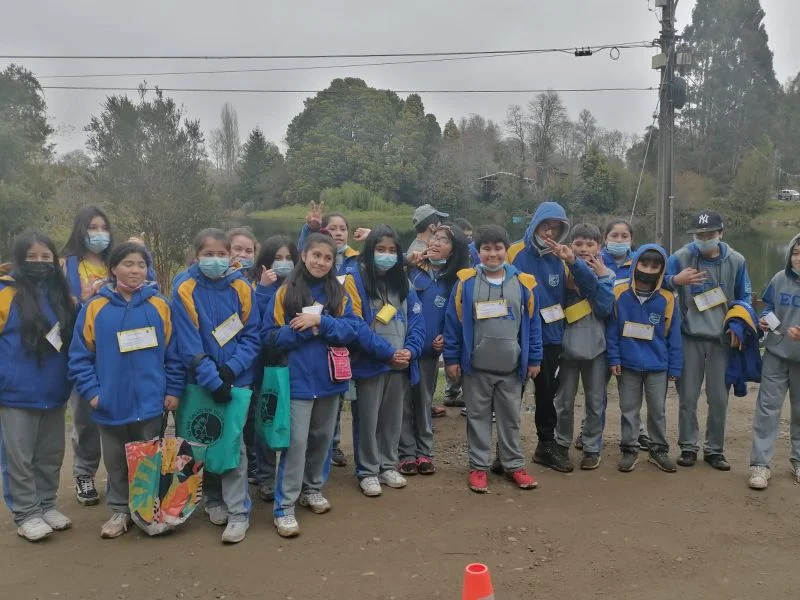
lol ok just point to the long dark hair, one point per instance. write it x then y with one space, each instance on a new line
270 249
35 326
76 244
459 256
123 250
298 283
394 280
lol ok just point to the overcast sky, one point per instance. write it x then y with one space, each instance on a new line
206 27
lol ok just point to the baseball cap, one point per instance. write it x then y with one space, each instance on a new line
425 211
705 220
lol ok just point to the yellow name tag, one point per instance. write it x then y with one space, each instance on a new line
639 331
710 299
386 314
551 314
228 329
491 309
137 339
577 311
54 337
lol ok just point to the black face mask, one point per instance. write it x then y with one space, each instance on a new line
647 278
37 271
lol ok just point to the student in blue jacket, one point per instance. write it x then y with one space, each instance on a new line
616 252
36 317
125 366
385 364
433 280
292 325
217 324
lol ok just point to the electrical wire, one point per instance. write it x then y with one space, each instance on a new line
298 91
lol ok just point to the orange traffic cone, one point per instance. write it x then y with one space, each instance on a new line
477 583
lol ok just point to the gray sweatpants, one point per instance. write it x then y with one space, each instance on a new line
416 437
377 422
777 376
266 463
230 489
593 375
305 465
113 439
486 392
31 453
703 359
85 438
654 384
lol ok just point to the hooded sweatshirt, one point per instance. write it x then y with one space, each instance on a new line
782 297
433 293
622 270
550 271
72 273
656 316
130 386
586 311
743 364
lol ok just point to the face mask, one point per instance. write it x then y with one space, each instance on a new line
438 262
618 248
384 262
246 263
282 268
128 289
539 241
97 242
706 245
647 278
213 267
496 269
341 249
37 271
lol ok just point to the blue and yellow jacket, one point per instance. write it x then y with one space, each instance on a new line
743 364
200 305
72 273
433 294
622 271
24 381
550 271
460 320
308 353
130 386
265 294
664 352
373 353
348 260
474 257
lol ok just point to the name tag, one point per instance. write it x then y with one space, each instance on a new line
54 337
341 278
551 314
386 314
228 329
639 331
710 299
491 309
577 311
772 321
137 339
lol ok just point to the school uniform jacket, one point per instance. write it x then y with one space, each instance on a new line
349 255
743 364
782 297
72 273
433 294
621 271
585 337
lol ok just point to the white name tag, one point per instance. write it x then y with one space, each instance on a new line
491 309
710 299
54 337
137 339
639 331
341 278
226 331
772 320
551 314
314 309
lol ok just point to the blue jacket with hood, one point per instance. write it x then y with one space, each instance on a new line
72 273
460 322
200 305
433 294
350 254
473 254
550 271
130 386
621 271
659 311
25 382
744 364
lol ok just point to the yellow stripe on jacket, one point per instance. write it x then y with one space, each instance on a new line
92 310
6 298
245 293
186 294
164 312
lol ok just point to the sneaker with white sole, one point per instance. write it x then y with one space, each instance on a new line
393 479
759 477
370 486
116 526
796 473
235 532
56 520
287 526
218 515
85 491
34 529
316 502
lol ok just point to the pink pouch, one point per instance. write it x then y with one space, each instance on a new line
339 364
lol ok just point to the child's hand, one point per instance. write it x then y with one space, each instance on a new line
305 321
401 359
361 234
170 402
533 372
563 252
763 325
735 341
599 267
794 333
414 258
93 402
689 276
616 370
268 276
438 343
453 372
314 215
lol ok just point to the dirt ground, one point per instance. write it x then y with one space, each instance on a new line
597 534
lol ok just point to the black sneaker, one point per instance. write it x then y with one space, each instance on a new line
579 441
497 467
85 492
661 459
687 458
644 443
590 460
454 401
627 461
338 458
718 462
550 454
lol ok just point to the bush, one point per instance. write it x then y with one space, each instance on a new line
353 196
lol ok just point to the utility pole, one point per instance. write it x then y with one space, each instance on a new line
666 122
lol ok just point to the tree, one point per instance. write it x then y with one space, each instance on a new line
597 182
547 116
586 128
753 184
225 143
262 173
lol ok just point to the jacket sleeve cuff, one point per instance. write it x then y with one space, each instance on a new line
236 366
92 392
175 391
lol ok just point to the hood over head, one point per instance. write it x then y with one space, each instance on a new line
635 261
545 211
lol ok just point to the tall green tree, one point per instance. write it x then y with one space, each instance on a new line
262 173
598 184
752 187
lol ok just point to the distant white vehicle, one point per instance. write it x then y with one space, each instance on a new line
792 195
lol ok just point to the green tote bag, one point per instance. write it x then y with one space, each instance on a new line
273 411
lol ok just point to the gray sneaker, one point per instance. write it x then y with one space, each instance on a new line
266 492
235 532
661 459
628 461
218 515
590 461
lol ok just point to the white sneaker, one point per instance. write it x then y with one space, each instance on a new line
759 478
370 486
287 526
34 529
56 520
116 525
235 531
393 479
218 515
316 502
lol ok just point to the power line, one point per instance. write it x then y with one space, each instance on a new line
292 91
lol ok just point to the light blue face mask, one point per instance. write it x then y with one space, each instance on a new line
496 269
97 242
341 249
706 245
438 262
246 263
213 267
282 268
618 249
384 261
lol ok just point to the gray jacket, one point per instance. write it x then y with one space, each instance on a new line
782 297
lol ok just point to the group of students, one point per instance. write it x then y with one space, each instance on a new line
563 305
